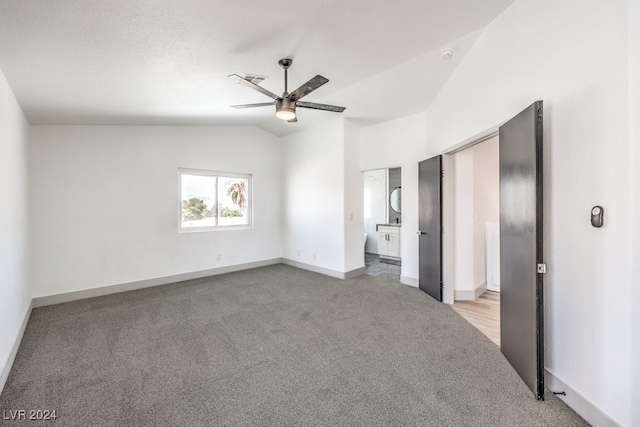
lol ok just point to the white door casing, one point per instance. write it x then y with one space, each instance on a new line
493 256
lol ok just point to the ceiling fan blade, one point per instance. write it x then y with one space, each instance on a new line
243 81
324 107
262 104
307 88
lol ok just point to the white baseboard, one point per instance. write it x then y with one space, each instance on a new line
409 281
464 295
583 407
147 283
8 363
493 288
469 295
326 271
132 286
355 273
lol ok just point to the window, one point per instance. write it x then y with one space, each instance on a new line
210 200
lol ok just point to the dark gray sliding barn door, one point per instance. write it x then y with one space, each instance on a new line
430 226
521 265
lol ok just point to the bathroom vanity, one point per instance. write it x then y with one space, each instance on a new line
389 240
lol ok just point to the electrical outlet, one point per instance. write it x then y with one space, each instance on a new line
299 253
351 217
219 257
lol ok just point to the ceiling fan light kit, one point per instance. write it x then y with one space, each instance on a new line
285 109
287 103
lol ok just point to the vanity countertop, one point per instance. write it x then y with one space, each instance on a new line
393 224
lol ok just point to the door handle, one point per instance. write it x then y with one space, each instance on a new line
419 232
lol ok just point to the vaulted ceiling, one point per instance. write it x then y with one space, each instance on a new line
166 61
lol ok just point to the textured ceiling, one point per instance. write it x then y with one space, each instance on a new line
167 61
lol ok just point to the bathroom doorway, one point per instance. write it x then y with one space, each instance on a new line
383 222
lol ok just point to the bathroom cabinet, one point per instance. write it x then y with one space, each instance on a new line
389 241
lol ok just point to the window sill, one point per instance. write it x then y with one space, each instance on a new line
220 228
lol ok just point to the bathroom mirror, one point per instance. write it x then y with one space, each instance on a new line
395 200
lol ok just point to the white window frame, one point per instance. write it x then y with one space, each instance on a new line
216 175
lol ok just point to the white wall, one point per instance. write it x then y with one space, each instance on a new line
400 143
314 196
15 296
574 58
323 198
104 203
634 145
486 201
476 201
353 200
463 225
375 185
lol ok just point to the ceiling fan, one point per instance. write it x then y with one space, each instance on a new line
287 103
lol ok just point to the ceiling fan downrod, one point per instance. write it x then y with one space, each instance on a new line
286 63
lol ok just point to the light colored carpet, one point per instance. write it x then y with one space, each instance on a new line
270 346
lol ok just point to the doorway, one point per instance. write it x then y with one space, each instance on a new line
522 267
383 222
475 217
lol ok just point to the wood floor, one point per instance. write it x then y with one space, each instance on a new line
483 313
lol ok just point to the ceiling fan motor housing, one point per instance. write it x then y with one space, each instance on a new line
285 104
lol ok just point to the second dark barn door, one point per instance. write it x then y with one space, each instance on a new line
430 226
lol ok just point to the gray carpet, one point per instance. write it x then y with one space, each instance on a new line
270 346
